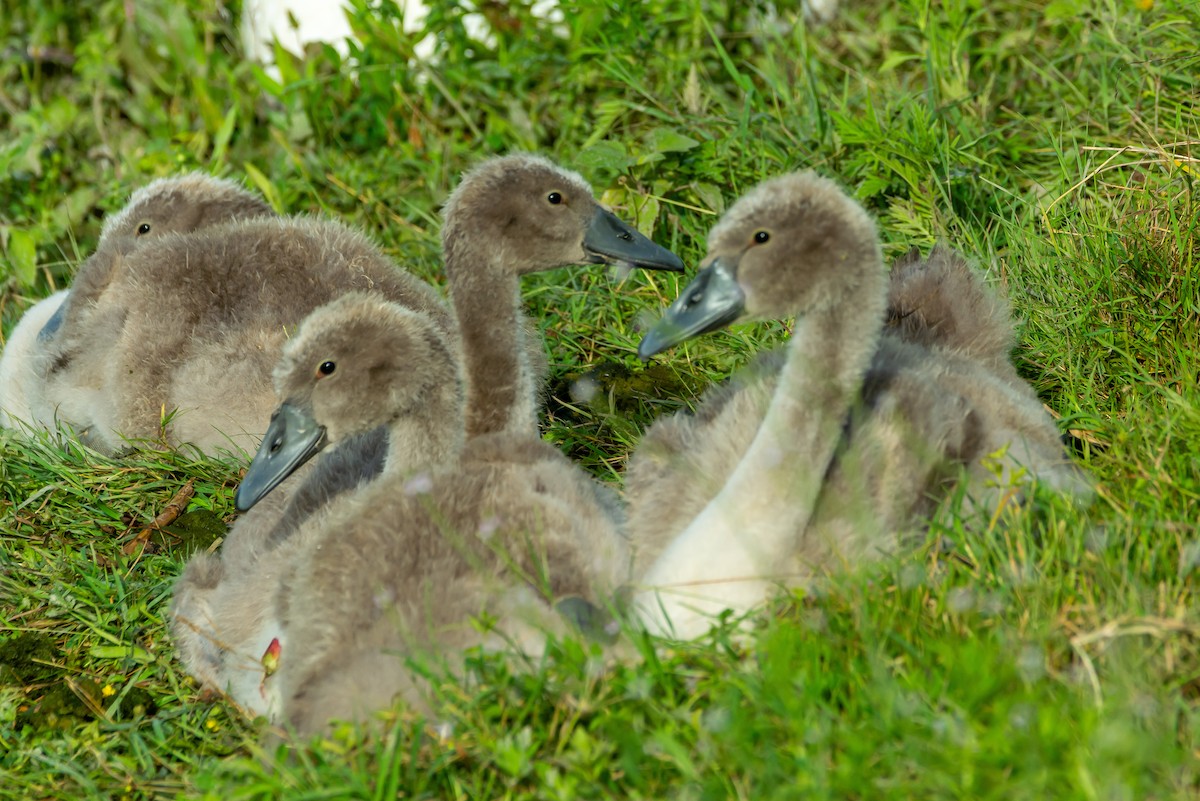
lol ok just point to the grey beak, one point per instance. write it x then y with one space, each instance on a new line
291 440
712 300
55 322
610 240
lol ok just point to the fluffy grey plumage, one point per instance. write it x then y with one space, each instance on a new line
935 395
177 205
399 567
401 572
395 368
70 388
511 216
195 322
939 301
53 385
23 367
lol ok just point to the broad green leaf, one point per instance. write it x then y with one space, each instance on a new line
668 140
22 256
606 157
645 213
709 196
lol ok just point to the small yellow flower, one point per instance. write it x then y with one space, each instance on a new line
1144 5
212 724
108 691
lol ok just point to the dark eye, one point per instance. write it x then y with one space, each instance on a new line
144 228
326 368
555 198
761 237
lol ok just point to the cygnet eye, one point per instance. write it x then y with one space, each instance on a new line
326 368
143 229
761 236
555 198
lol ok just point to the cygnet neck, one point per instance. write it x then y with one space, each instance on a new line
486 294
730 553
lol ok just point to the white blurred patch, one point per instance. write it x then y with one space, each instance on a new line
60 604
911 576
1022 717
991 604
620 270
420 484
384 599
488 527
1096 540
960 600
297 23
1031 663
716 719
583 390
443 730
645 319
772 456
1189 557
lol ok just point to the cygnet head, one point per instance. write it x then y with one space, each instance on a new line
169 205
355 364
178 205
532 215
793 245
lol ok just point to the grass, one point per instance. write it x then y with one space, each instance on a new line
1056 657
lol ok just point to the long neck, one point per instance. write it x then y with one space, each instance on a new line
487 301
416 446
430 437
729 554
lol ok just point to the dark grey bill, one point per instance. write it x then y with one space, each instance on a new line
291 440
55 322
610 240
712 300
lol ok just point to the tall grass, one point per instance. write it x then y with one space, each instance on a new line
1056 657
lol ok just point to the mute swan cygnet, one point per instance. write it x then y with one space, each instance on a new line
826 456
510 216
400 567
56 386
503 202
359 359
193 324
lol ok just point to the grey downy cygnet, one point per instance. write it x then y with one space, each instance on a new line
825 455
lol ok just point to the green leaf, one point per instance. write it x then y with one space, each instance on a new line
223 135
645 213
709 196
895 60
133 652
265 186
74 208
1060 10
604 157
668 140
22 256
